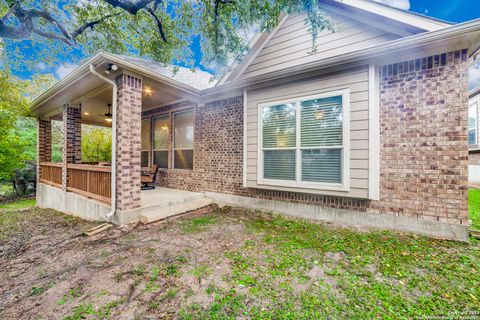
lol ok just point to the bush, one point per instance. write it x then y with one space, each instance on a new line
25 179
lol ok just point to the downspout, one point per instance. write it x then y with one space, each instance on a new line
114 138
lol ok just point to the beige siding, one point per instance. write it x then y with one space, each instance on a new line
356 80
291 45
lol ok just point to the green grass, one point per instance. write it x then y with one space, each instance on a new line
5 189
303 270
264 266
474 207
199 224
20 204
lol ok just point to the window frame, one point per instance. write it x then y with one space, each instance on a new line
149 151
169 119
298 183
475 106
173 138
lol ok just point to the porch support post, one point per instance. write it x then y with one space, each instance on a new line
128 134
72 140
44 143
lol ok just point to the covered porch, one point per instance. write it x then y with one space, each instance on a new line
111 92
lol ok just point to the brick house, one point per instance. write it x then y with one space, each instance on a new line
371 130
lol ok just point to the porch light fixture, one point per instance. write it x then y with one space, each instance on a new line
148 90
86 113
111 67
108 115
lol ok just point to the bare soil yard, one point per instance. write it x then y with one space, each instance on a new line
228 263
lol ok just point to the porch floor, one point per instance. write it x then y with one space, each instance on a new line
161 203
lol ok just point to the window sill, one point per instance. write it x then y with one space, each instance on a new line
304 185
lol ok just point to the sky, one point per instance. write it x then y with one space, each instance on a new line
449 10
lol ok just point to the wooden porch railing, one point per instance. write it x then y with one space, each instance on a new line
51 173
91 181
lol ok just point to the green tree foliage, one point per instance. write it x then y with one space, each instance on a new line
18 133
162 30
13 104
96 144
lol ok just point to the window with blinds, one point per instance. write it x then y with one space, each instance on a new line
161 138
183 124
302 141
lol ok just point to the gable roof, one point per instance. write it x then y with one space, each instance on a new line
395 21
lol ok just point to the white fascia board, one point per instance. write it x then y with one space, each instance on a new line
416 20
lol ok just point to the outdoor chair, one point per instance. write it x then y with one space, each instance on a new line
148 178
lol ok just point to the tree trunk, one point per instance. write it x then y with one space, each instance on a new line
20 186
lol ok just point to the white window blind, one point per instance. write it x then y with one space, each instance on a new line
183 123
279 141
161 137
322 139
302 141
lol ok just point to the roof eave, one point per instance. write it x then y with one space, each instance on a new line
98 58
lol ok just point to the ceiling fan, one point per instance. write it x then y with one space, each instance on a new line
108 115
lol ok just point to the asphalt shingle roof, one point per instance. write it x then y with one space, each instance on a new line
197 78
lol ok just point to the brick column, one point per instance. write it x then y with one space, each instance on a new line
129 110
44 143
72 140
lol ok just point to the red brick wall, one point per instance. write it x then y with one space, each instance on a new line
423 112
218 148
423 138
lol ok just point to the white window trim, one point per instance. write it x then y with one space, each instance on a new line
373 133
167 116
473 105
173 139
345 185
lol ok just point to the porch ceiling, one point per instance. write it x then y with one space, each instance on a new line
82 87
95 102
95 97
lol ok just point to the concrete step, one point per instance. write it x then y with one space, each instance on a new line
165 212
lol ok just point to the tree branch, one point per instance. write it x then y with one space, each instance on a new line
216 7
159 24
26 20
131 7
91 24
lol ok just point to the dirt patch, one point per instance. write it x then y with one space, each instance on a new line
48 270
